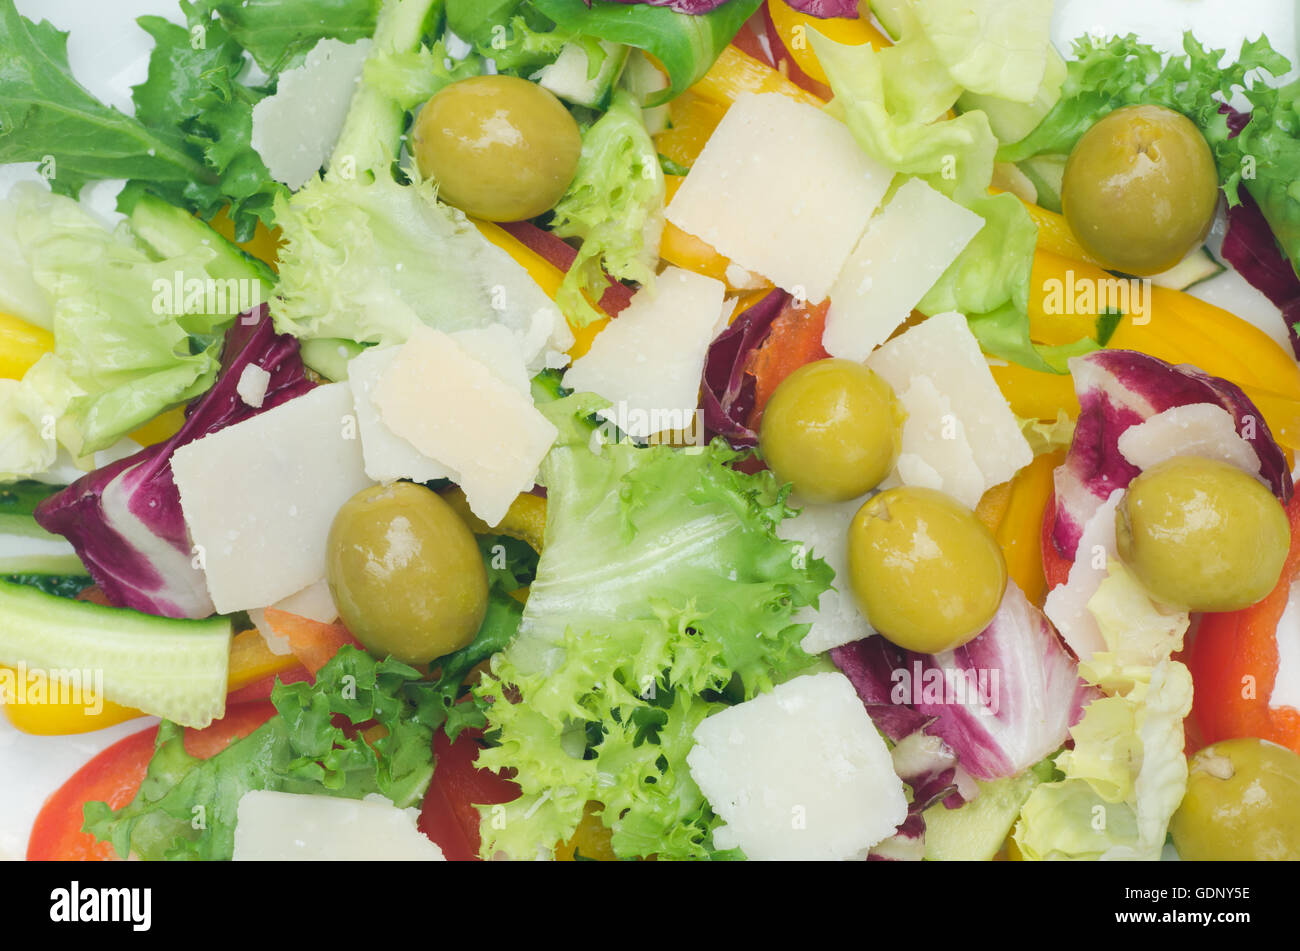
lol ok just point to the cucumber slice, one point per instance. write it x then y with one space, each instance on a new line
569 77
170 668
21 498
170 232
26 548
329 356
1198 266
1046 172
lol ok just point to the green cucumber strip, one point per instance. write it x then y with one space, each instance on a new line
175 669
1198 266
26 548
21 498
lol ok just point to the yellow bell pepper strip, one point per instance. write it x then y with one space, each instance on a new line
792 27
250 661
548 278
21 345
1055 235
162 427
1036 395
693 120
590 840
525 519
1019 534
263 245
736 72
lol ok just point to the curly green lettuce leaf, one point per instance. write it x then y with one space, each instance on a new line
687 45
299 750
663 594
615 205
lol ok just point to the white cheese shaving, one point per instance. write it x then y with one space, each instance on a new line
252 385
295 827
783 190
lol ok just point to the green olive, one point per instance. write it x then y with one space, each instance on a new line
928 575
1242 804
406 573
1202 535
499 147
1140 189
833 428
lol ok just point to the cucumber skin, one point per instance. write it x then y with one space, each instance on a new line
175 669
171 231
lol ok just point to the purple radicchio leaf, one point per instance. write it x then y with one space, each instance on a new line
727 393
1121 388
1007 699
125 520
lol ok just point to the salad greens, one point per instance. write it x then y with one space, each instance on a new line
615 205
663 593
279 33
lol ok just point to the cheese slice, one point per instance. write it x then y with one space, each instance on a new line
935 452
457 412
390 457
943 349
295 129
259 496
1194 429
649 361
822 529
798 773
1067 604
293 827
905 251
783 190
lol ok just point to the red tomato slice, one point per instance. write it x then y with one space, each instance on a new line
114 776
449 816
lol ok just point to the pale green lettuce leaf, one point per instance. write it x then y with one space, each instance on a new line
993 47
615 205
1138 632
370 261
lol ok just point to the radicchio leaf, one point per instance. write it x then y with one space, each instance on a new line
728 391
125 520
1121 388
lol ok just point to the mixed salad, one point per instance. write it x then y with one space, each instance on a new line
682 429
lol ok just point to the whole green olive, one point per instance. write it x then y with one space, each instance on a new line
1242 804
1202 535
833 429
927 572
500 148
1140 189
406 573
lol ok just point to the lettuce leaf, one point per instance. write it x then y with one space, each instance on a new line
615 205
279 33
369 261
991 47
1126 773
125 347
662 594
